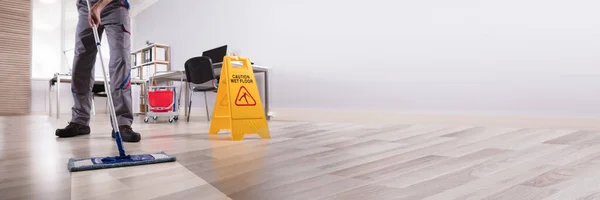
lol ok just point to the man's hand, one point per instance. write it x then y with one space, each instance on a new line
94 13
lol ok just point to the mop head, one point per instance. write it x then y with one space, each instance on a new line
118 161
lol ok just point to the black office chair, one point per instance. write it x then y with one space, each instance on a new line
201 77
98 91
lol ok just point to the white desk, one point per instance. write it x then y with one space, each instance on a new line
176 76
66 78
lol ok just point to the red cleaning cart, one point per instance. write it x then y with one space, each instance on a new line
163 102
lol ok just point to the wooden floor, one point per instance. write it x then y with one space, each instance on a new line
304 161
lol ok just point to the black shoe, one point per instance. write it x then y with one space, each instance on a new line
127 134
73 130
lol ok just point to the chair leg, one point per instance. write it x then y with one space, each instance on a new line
190 106
206 106
93 106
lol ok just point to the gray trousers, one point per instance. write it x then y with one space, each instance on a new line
115 23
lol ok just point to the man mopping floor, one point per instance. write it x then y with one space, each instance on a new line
112 17
88 35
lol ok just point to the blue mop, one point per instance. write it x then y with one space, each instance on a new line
123 159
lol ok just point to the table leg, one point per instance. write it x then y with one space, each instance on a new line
267 95
50 99
187 99
57 97
142 105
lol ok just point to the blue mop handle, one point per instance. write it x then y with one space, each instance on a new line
111 105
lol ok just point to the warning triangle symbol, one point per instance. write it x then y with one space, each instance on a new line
244 98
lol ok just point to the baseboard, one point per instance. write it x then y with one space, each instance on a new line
389 117
201 111
196 112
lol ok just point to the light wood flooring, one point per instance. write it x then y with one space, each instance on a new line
304 161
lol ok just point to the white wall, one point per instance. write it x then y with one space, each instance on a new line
55 23
46 38
515 57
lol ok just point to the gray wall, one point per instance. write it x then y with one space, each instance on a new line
523 57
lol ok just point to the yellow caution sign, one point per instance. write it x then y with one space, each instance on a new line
238 107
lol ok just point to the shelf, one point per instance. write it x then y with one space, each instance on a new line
149 47
151 63
144 70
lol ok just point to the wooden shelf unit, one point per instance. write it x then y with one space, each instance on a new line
147 61
150 59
